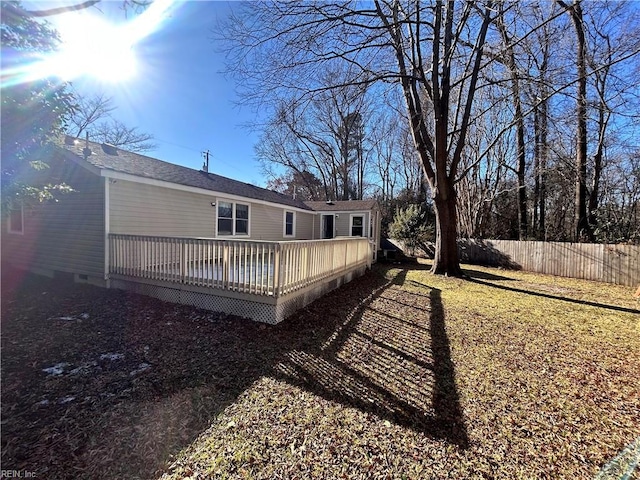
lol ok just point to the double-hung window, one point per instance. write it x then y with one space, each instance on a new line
289 224
233 218
242 219
357 225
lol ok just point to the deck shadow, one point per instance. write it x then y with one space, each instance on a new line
404 374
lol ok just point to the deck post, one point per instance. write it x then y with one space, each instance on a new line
225 265
276 271
183 263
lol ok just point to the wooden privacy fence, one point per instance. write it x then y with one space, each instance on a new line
609 263
256 267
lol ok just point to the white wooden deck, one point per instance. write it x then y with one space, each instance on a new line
267 273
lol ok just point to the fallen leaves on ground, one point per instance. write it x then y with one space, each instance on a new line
398 374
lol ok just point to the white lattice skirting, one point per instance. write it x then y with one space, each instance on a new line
259 308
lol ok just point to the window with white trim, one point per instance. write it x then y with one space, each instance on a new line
16 218
233 218
357 225
289 224
242 219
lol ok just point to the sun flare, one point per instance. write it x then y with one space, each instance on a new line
94 47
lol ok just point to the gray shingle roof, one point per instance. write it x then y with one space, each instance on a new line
107 157
342 205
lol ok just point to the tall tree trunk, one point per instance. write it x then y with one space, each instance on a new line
544 160
541 151
440 166
520 128
603 121
522 188
536 172
597 169
447 259
582 223
582 229
541 125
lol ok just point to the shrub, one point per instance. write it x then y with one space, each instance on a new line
414 228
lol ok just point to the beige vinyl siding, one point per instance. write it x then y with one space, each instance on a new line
64 236
267 223
342 223
317 226
140 209
304 225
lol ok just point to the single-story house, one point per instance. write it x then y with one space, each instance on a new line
139 223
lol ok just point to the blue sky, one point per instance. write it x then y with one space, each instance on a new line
180 95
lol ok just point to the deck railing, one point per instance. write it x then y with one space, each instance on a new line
256 267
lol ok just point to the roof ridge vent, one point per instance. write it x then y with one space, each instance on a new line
109 149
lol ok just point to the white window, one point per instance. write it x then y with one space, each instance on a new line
233 218
16 218
242 219
289 224
357 226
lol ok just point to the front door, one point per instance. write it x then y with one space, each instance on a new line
327 226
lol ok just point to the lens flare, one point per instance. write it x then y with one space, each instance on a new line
91 46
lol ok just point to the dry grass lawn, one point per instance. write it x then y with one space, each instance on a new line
399 374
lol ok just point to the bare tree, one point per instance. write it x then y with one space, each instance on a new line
489 179
432 51
88 111
582 227
92 115
325 136
118 134
614 98
304 185
519 120
385 139
539 97
440 150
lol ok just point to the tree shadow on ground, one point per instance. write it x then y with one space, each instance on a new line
388 358
478 274
373 344
468 272
555 297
